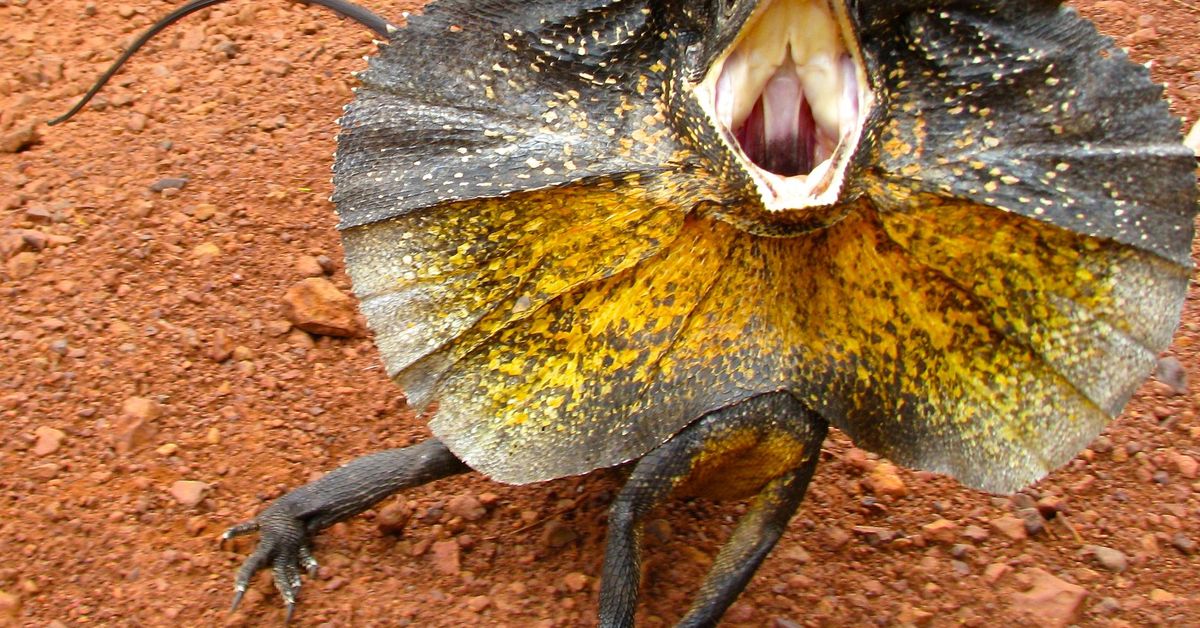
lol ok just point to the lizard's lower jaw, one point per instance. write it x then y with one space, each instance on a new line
790 98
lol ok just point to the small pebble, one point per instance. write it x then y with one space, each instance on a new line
169 183
392 518
835 539
1052 600
135 427
19 138
1162 596
1011 527
142 408
995 571
317 306
941 531
1186 465
885 480
1108 558
308 266
220 348
914 616
136 122
874 535
10 607
558 534
22 265
445 557
1032 518
467 507
975 533
575 581
48 440
188 492
1171 372
1184 544
1107 606
1144 36
206 251
204 211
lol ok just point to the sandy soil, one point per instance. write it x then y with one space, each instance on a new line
174 297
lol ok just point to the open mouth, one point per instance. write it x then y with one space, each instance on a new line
790 97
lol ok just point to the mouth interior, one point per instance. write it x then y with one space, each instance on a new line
790 98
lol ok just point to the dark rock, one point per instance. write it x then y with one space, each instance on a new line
169 183
1184 544
1171 372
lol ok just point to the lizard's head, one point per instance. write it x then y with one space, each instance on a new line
784 84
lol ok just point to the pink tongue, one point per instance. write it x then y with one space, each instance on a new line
790 127
780 134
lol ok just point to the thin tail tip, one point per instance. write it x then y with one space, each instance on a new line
60 119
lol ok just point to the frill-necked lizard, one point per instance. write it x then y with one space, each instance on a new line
695 234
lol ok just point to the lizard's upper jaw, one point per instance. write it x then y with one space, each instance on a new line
790 98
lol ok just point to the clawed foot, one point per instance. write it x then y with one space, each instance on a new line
283 546
287 526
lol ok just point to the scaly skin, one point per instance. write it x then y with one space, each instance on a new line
578 266
553 240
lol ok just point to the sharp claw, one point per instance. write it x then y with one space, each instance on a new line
307 562
287 580
283 548
238 592
286 590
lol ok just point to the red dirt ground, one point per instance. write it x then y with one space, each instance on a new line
241 100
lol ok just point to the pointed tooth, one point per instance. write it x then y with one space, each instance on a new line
769 37
825 146
749 80
762 52
727 92
812 31
823 88
817 49
819 173
850 105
